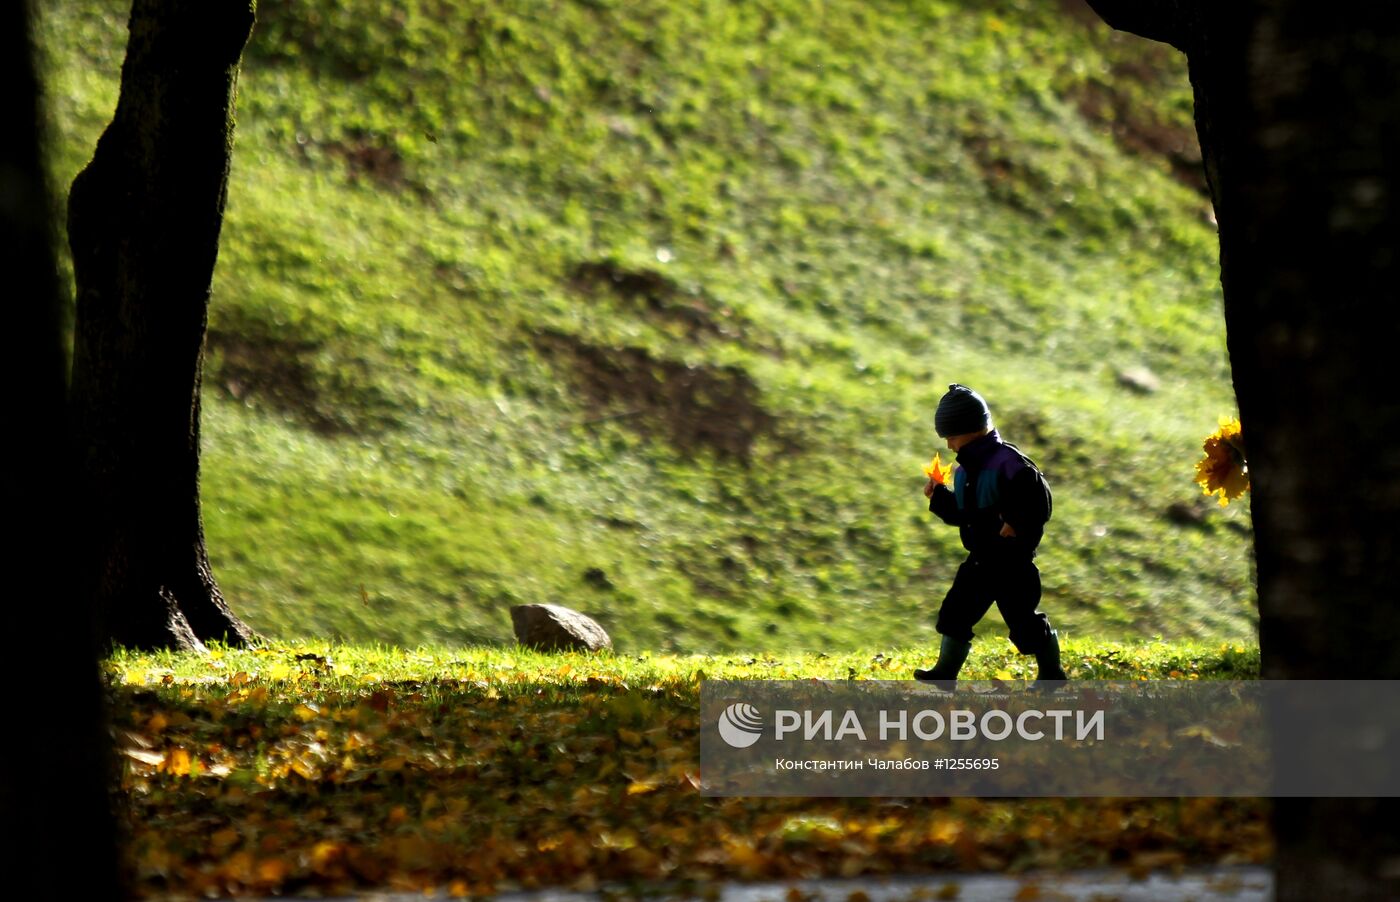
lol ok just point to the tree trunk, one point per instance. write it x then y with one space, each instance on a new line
55 760
143 224
1298 111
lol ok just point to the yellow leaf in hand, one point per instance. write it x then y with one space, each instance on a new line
937 472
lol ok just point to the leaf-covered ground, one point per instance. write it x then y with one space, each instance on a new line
314 769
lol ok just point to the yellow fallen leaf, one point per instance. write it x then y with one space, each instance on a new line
238 867
272 870
324 854
944 830
178 763
305 768
642 786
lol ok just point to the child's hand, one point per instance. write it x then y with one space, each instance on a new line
928 489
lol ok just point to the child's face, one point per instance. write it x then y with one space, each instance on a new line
956 442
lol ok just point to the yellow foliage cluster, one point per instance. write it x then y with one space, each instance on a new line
1224 470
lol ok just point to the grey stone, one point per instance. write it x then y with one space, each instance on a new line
1139 379
553 627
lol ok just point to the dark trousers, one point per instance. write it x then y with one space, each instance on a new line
1014 584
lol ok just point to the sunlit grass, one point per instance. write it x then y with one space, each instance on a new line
408 422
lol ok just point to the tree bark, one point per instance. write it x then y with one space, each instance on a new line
55 760
143 224
1298 112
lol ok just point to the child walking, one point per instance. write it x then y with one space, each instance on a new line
1000 503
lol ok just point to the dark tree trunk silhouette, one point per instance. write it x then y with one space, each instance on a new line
143 224
55 760
1298 113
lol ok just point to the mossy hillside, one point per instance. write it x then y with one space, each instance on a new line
644 308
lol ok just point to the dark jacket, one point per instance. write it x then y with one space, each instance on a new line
993 485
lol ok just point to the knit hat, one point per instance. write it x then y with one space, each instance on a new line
961 411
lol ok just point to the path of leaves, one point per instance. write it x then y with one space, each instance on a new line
290 777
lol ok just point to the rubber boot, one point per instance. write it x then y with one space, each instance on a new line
1049 673
951 655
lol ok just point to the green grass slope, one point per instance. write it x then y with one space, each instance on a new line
644 308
